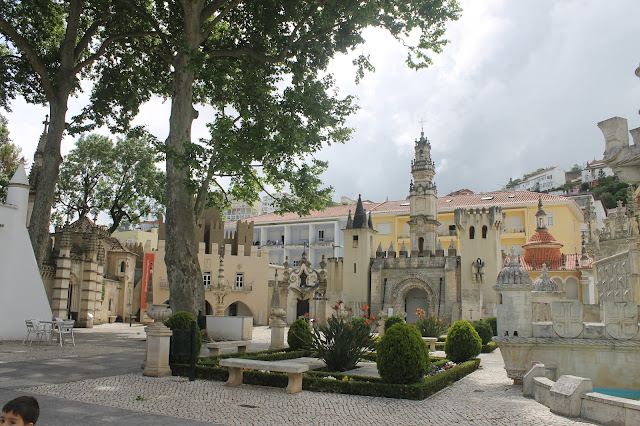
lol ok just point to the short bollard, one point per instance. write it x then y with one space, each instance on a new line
192 364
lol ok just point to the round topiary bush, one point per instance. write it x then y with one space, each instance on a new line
493 322
484 331
393 319
299 335
462 342
402 356
181 320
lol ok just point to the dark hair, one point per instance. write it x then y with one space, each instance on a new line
24 406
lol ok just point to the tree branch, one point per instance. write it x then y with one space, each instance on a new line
218 17
67 48
86 38
154 23
36 62
106 44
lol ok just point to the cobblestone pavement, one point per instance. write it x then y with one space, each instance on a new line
486 397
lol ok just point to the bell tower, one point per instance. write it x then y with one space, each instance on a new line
423 201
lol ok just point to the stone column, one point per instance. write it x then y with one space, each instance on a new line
277 318
157 356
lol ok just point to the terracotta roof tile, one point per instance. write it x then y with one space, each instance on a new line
445 204
569 262
541 237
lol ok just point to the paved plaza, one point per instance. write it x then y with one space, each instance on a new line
100 382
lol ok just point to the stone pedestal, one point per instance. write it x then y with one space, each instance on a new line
277 335
157 360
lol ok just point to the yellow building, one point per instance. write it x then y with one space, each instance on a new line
148 239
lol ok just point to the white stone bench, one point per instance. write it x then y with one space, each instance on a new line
293 369
432 342
215 348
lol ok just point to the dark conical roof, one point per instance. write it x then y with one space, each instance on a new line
360 217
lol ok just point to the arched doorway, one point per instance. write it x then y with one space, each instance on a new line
73 298
302 308
237 309
208 310
415 299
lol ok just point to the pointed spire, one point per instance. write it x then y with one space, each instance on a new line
439 246
541 217
403 250
392 249
370 222
349 221
275 296
360 217
452 246
380 249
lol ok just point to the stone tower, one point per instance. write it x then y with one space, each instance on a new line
480 232
513 292
359 249
423 199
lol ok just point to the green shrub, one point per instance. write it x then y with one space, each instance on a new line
393 319
181 320
340 344
484 331
430 325
489 347
299 335
463 342
493 322
402 355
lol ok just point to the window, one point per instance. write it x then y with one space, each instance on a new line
206 278
484 231
122 266
354 268
549 219
321 235
239 280
384 228
472 233
355 241
296 263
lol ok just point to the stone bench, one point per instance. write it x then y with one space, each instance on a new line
215 348
432 342
293 369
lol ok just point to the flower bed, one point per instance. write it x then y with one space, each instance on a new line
320 381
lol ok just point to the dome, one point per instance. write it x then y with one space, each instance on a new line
513 275
544 283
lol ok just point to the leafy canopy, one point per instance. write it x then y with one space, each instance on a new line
10 158
120 179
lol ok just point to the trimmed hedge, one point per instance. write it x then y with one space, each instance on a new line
392 320
489 347
402 356
181 320
493 322
267 355
354 385
299 335
484 330
463 342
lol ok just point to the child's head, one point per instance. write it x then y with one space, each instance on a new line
20 411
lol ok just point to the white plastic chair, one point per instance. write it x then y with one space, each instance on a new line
31 331
64 328
38 330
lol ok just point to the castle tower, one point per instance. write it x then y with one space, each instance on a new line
359 249
481 259
423 199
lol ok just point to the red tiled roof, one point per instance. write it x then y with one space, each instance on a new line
568 262
445 204
542 237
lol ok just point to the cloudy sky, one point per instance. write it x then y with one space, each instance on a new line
521 86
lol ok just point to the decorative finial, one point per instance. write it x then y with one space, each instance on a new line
46 123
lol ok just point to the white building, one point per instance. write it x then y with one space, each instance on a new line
592 171
241 210
552 177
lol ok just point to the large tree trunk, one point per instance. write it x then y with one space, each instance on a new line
46 186
181 257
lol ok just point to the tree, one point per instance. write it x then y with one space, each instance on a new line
576 168
47 47
121 180
261 65
10 158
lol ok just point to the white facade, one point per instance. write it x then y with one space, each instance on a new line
552 177
269 202
241 210
592 171
22 293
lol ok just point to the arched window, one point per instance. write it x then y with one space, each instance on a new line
472 233
499 298
122 266
484 231
420 244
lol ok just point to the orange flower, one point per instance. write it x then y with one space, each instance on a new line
306 315
433 315
365 308
372 317
340 302
367 322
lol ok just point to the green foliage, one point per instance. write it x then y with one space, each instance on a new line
533 173
120 179
610 190
10 157
430 325
392 320
584 186
489 347
402 356
484 330
299 335
181 320
463 342
340 344
493 323
576 168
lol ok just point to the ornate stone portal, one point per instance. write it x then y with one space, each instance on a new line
306 284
